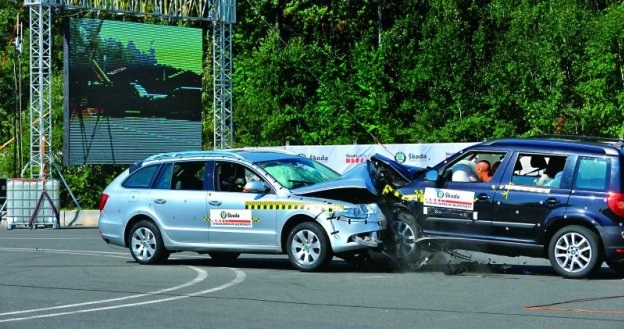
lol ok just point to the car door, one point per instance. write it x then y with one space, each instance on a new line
461 205
179 201
535 187
234 220
593 176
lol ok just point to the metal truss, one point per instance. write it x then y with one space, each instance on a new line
221 12
222 80
40 91
205 10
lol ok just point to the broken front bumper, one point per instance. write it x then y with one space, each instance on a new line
350 231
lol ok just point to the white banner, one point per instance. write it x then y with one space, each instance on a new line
344 157
230 218
454 199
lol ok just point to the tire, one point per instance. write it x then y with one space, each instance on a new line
224 257
404 231
617 267
146 244
308 247
574 252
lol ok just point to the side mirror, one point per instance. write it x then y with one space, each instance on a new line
432 175
254 186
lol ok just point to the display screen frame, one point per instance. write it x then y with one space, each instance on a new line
131 90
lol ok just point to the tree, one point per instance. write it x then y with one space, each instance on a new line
601 78
334 72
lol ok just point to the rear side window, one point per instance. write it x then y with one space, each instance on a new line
592 174
539 170
164 179
141 178
188 176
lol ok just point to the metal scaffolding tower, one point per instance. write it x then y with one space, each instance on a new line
222 13
40 90
222 71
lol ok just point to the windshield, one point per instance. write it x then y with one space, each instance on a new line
297 172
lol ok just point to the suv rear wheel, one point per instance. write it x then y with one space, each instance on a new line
574 252
146 244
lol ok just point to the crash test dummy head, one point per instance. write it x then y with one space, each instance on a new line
483 170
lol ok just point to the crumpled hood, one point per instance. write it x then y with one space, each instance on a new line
406 172
355 186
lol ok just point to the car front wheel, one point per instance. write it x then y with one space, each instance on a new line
405 232
308 247
146 244
574 252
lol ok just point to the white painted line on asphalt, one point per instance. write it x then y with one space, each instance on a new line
61 251
22 238
91 252
201 276
240 277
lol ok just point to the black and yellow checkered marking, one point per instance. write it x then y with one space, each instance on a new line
418 196
291 205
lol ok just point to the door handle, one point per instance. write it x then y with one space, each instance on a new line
483 197
552 201
160 201
215 203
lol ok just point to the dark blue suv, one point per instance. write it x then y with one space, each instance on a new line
558 197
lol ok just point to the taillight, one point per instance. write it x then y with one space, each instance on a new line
616 203
103 200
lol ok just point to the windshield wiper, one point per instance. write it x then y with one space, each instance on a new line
301 182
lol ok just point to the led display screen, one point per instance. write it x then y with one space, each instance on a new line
131 90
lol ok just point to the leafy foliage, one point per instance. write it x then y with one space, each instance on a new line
339 71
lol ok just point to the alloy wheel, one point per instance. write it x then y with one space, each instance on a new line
306 247
573 252
143 244
404 237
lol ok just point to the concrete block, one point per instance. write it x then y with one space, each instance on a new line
79 218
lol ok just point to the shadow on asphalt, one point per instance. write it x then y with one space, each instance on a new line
475 268
460 268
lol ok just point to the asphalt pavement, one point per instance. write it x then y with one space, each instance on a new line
69 278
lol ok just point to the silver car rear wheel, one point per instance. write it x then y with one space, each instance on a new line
308 247
146 245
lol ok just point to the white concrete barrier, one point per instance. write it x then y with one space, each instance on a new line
79 218
71 219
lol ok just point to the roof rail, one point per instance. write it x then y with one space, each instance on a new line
617 142
171 155
266 149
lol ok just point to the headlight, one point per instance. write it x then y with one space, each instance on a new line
357 212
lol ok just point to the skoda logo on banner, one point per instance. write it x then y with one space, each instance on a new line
400 157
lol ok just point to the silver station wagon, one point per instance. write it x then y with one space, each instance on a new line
225 203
